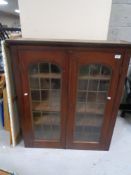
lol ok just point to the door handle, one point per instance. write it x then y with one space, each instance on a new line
26 94
108 98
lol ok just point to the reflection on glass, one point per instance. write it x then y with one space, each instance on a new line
33 69
45 83
45 95
55 69
55 83
35 95
81 107
93 85
91 96
34 83
45 88
83 84
81 96
46 125
55 97
101 97
94 69
103 85
44 68
84 71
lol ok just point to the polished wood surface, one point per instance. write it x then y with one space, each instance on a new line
69 56
80 58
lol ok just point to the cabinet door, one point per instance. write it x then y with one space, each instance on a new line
44 84
93 85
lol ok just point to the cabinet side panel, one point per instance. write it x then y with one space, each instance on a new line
120 87
17 79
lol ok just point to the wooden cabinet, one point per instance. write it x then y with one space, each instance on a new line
68 92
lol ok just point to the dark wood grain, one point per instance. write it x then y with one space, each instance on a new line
69 56
83 58
70 43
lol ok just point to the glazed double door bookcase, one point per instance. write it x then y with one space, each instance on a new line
67 97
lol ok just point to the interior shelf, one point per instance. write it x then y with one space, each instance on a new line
95 77
87 122
43 106
81 122
40 106
47 120
58 76
46 75
90 110
87 135
50 134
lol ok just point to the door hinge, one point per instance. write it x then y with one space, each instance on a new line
117 56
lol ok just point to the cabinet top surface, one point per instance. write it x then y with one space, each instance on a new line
67 42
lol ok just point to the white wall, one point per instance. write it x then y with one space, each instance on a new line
120 21
65 19
9 20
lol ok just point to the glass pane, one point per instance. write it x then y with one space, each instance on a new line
34 83
44 68
45 95
45 88
91 96
37 126
88 126
84 71
81 96
95 108
33 69
35 95
83 84
93 85
36 116
46 122
44 83
105 70
55 97
55 69
38 105
94 69
104 85
101 97
81 107
55 83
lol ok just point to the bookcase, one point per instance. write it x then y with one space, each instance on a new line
68 91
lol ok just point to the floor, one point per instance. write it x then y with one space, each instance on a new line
4 137
116 161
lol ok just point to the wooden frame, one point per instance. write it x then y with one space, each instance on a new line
69 55
81 58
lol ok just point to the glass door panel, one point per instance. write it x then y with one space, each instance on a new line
93 85
45 92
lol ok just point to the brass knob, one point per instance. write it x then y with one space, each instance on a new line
25 94
108 98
